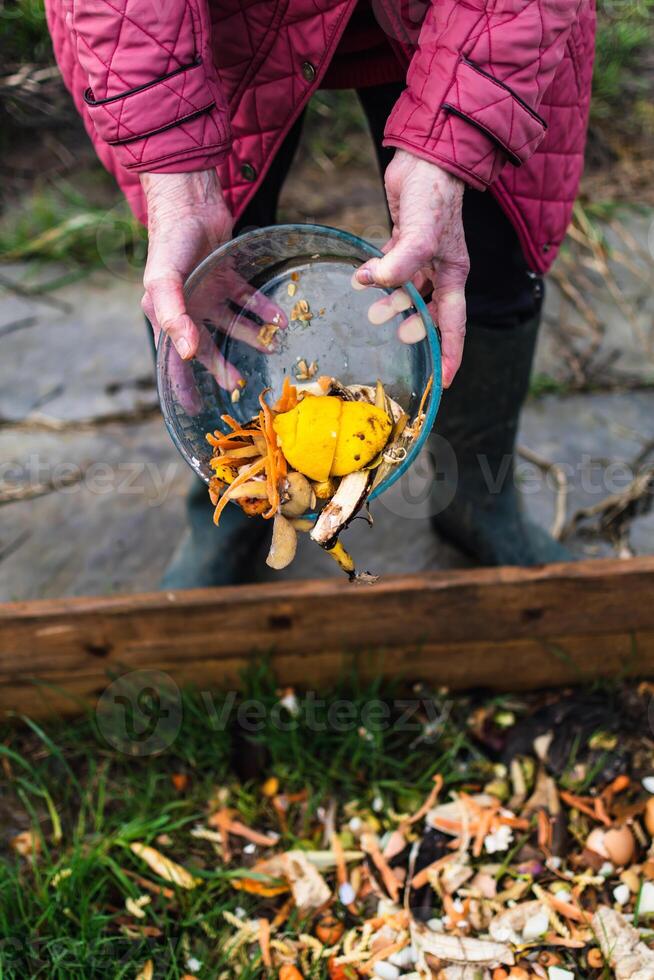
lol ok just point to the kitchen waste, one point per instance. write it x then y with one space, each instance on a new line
527 853
322 446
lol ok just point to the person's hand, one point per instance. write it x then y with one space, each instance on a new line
187 219
427 246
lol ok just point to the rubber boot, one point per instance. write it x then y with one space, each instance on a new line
475 503
208 555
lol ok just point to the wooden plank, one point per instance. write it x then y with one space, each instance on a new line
491 627
515 665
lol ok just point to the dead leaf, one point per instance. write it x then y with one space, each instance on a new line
309 888
622 946
459 949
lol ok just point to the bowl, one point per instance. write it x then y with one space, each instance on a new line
246 296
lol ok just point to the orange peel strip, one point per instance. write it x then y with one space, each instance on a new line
421 878
240 830
581 804
264 942
565 908
544 831
483 829
391 883
288 399
429 803
272 474
425 395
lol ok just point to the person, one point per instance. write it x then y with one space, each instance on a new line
478 112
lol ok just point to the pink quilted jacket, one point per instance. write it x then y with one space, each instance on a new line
497 90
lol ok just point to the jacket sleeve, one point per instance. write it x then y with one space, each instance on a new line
153 91
476 82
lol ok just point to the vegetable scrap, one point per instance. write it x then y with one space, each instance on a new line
505 838
543 870
301 310
321 445
536 861
267 334
305 371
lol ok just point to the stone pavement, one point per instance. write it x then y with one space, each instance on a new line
116 513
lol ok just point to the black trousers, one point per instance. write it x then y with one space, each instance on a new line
500 292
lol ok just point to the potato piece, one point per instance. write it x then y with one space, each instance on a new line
253 489
363 433
298 495
283 545
302 524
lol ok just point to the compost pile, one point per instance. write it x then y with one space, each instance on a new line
532 857
322 444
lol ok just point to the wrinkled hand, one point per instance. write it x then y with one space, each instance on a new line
427 246
188 219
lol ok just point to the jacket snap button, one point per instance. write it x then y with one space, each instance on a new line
308 71
248 172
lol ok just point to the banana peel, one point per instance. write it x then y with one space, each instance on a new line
344 505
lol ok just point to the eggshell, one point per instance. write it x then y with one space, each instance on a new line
621 894
595 842
649 816
620 845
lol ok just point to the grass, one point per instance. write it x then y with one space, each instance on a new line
80 903
24 32
57 223
62 912
620 88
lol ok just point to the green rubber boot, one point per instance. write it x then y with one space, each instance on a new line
475 503
209 556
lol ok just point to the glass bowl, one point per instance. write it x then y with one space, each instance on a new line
263 276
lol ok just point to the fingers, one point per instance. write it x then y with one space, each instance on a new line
239 328
384 309
400 264
412 330
255 302
234 288
164 306
448 307
225 374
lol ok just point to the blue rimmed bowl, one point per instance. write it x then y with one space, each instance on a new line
260 277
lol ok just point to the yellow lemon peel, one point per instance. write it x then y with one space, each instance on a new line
324 436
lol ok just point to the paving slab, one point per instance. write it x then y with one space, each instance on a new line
115 523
